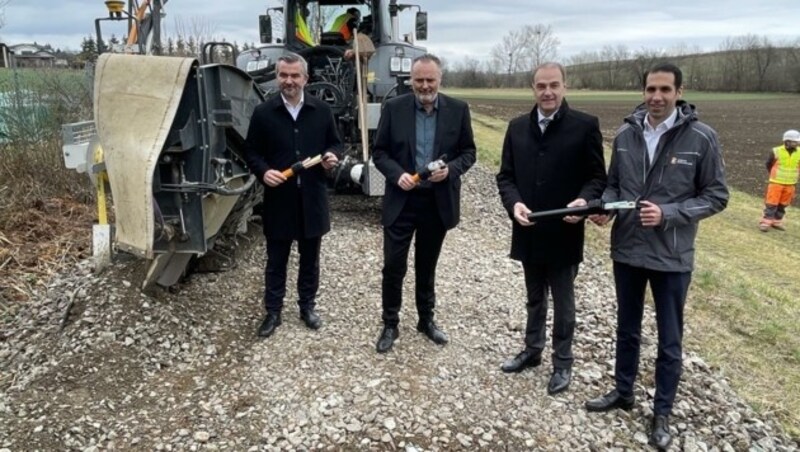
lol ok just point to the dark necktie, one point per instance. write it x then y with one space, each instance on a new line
544 122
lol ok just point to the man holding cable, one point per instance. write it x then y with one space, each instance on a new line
415 131
552 158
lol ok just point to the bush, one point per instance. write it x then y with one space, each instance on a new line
33 105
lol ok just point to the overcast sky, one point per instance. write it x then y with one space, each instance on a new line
458 28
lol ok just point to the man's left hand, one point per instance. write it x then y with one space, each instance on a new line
579 202
650 214
329 160
439 175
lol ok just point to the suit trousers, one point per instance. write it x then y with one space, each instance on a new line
669 294
419 217
560 280
278 251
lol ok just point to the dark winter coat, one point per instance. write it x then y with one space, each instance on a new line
276 141
547 171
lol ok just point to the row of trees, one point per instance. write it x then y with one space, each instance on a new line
186 40
173 46
742 63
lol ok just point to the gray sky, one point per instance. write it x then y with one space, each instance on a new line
457 28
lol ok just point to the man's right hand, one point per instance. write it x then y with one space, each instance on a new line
406 182
521 212
600 219
273 178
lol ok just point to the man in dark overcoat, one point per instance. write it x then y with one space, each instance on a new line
287 128
552 158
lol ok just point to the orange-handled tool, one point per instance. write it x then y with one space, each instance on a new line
302 166
429 168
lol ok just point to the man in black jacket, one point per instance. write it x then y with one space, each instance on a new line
416 130
285 129
552 157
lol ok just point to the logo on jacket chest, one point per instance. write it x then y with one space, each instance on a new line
675 160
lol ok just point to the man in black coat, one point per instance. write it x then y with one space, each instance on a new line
416 130
285 129
552 157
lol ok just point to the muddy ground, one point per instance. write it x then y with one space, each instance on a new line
747 129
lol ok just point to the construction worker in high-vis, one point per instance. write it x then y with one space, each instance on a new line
346 23
783 165
302 32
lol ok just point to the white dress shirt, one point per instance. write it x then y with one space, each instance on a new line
653 134
542 123
294 110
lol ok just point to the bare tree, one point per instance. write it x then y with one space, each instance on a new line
762 55
614 59
642 61
525 48
581 72
194 33
3 4
734 64
544 45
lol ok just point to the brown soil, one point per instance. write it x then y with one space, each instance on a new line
747 129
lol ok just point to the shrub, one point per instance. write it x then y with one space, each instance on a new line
33 105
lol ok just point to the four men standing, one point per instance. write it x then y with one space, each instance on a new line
662 157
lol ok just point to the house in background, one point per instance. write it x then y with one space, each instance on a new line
32 55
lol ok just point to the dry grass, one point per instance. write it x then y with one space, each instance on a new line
743 311
46 215
36 241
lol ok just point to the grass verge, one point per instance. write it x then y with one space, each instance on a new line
743 313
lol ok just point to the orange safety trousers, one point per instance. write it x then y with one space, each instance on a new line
779 194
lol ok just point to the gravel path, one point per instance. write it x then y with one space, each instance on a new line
183 370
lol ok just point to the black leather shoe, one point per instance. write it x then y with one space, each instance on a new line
559 381
610 401
433 332
271 321
311 318
386 340
659 435
522 361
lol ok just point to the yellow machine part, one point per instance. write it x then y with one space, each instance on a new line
135 101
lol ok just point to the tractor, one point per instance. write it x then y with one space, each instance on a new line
383 69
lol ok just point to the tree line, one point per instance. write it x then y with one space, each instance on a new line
741 63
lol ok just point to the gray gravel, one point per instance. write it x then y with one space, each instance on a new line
183 370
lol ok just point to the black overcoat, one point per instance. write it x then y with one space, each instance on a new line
395 147
548 171
276 141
